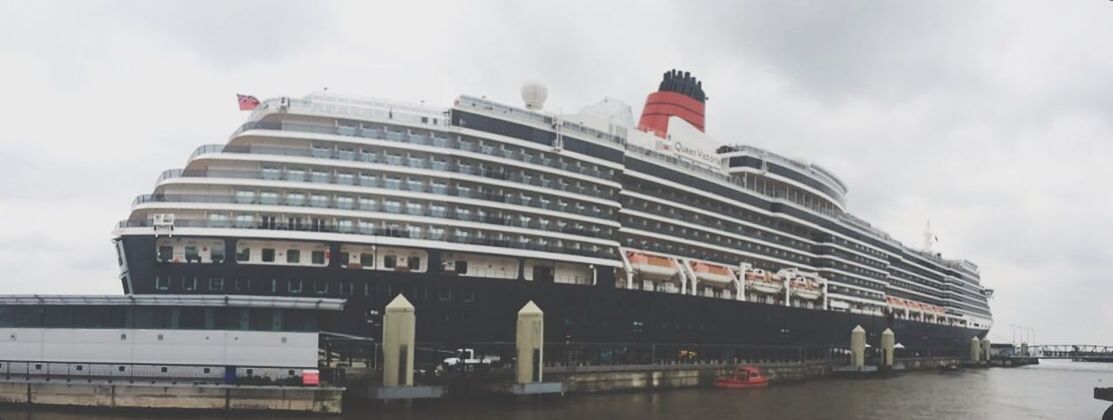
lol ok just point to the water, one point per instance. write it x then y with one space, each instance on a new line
1054 390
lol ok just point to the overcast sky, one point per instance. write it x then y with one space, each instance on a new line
991 119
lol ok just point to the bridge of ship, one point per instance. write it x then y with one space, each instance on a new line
1071 351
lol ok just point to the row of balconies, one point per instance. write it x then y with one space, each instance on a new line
408 207
391 229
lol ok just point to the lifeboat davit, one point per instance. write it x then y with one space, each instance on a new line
764 282
652 265
712 273
743 377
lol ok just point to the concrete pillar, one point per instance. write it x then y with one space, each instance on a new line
985 349
531 336
888 345
398 343
975 350
858 347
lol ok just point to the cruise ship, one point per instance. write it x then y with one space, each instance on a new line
644 231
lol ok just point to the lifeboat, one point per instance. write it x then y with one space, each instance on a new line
652 265
806 289
743 377
712 273
764 282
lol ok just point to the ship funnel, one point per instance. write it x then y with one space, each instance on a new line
679 95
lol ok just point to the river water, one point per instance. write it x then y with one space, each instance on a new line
1055 390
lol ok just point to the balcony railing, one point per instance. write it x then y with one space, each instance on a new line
379 182
463 143
512 220
443 235
496 173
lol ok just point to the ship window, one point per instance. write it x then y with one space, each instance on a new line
191 254
319 257
191 318
413 262
461 267
321 286
165 253
189 283
389 261
274 285
293 256
367 260
293 286
216 284
217 253
242 284
268 254
162 283
244 254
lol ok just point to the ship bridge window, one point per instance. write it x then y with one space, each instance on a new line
367 260
318 257
243 254
413 263
390 261
293 256
268 254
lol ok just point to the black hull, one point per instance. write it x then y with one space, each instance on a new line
452 309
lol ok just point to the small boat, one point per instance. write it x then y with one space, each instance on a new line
712 273
653 265
743 377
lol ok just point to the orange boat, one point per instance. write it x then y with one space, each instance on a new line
743 377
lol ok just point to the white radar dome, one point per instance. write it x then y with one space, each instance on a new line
534 94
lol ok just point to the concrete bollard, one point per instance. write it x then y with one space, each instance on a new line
985 349
975 349
398 343
888 345
531 337
858 347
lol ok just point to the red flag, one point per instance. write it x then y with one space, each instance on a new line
247 102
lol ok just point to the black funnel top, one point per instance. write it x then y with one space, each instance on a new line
684 84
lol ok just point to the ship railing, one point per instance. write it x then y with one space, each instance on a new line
484 105
420 164
350 153
809 168
376 182
431 234
159 373
441 212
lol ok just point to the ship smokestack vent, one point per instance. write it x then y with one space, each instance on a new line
679 94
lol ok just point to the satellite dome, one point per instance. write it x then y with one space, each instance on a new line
534 94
